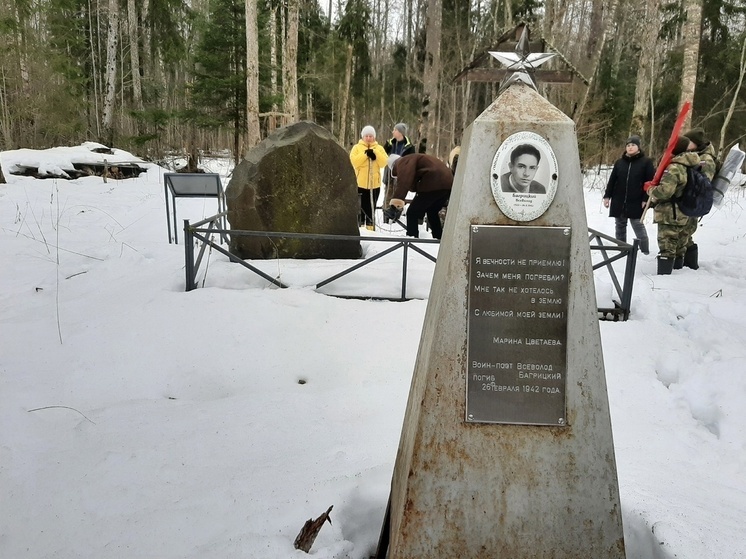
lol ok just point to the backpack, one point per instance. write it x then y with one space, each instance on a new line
696 198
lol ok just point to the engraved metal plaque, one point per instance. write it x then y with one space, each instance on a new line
517 324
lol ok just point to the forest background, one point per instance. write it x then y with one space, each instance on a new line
188 76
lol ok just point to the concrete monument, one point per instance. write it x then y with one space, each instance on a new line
506 449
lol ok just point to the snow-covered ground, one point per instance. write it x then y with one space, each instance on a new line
142 421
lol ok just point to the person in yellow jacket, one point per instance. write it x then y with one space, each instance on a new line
368 158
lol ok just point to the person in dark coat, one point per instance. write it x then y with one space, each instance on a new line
399 144
430 179
625 195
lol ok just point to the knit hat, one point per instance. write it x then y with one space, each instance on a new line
681 145
401 127
453 157
392 159
697 135
368 130
634 140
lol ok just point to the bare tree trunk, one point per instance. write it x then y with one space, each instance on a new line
596 34
23 60
644 82
345 99
272 122
134 53
95 70
409 42
733 101
465 98
692 33
290 67
385 24
383 95
433 30
594 57
550 9
147 61
253 134
651 142
112 41
5 124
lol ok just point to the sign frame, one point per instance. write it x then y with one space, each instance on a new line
517 313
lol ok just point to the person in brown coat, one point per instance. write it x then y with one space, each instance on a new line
430 179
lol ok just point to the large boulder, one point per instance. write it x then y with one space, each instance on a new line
297 180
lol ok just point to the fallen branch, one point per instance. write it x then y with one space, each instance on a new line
73 409
310 530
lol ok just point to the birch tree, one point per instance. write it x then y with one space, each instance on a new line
691 32
734 100
345 96
272 120
22 15
112 42
290 63
253 134
597 41
133 29
431 74
644 82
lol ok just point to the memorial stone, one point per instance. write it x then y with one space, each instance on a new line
297 180
506 450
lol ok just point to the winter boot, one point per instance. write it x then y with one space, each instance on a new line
691 258
665 266
645 245
678 263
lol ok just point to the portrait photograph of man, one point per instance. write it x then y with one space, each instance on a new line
523 176
523 164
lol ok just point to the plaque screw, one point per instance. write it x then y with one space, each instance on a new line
475 228
566 232
471 416
561 421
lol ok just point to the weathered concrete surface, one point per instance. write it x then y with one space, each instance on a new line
297 180
486 491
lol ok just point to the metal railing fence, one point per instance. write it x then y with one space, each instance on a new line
611 251
204 234
623 291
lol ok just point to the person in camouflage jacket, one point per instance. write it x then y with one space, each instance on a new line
708 165
671 222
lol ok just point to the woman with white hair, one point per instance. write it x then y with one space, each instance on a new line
368 158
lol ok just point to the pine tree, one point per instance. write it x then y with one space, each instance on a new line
219 89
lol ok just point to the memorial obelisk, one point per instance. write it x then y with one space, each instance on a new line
506 450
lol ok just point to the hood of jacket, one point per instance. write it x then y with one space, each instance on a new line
688 158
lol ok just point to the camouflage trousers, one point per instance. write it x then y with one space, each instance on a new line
672 240
689 229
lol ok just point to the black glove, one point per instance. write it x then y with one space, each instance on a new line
392 213
371 154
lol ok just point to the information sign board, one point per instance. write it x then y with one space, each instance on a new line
517 324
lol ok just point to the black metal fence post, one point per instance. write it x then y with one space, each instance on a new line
404 272
629 279
191 282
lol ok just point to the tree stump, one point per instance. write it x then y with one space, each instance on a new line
304 540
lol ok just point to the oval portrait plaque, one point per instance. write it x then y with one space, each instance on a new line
524 176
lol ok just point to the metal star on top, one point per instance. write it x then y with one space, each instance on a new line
522 62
